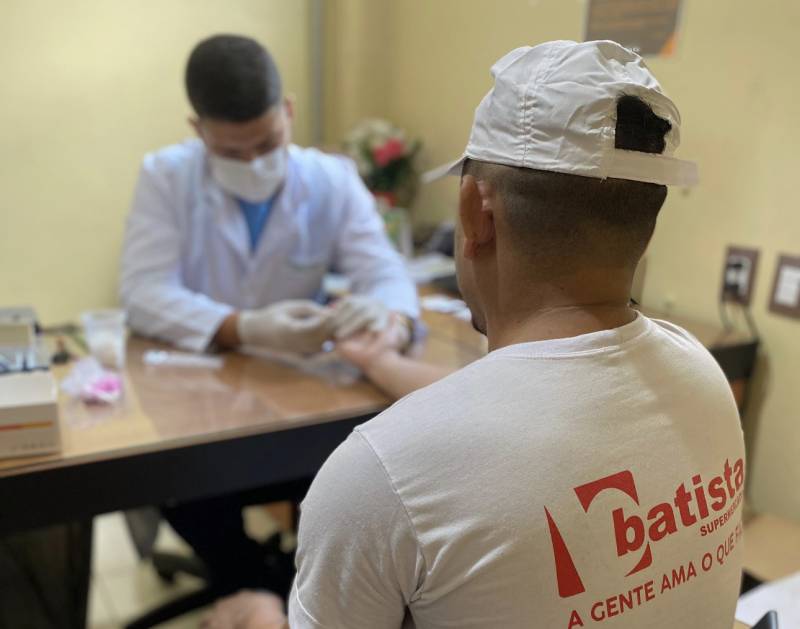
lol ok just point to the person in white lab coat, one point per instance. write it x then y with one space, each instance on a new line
227 243
231 233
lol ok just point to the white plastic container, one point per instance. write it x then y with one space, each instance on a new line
28 414
105 335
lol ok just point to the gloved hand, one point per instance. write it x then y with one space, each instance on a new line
300 326
358 313
367 348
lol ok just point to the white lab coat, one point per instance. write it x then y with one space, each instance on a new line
187 264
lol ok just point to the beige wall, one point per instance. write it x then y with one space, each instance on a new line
356 59
89 86
734 79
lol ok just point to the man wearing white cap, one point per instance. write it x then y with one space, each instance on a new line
589 470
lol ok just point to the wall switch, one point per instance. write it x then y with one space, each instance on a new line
738 275
786 287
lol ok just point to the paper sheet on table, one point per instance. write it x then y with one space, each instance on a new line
783 596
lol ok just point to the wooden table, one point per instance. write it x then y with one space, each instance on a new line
181 434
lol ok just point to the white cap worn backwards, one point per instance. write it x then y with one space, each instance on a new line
553 107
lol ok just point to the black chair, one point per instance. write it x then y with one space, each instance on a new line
748 582
169 565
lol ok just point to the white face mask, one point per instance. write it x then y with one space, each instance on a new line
251 181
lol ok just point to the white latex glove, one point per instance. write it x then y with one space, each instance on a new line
300 326
367 348
358 313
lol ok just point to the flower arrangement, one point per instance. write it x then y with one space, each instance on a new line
385 160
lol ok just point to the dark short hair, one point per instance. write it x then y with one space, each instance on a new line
566 220
233 78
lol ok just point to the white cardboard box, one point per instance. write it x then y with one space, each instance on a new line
28 414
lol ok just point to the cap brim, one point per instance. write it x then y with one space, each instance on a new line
631 165
652 168
451 168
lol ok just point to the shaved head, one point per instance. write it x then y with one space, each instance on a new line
564 222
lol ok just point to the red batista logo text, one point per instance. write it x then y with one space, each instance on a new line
689 505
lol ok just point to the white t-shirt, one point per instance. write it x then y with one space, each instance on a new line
594 481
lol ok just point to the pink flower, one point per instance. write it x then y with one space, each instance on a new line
388 152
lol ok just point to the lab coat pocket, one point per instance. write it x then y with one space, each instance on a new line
304 276
306 260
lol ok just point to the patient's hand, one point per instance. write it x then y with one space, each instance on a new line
247 609
365 349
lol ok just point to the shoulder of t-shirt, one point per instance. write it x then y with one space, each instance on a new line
357 458
676 331
698 358
668 332
352 475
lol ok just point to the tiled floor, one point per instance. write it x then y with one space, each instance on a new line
124 587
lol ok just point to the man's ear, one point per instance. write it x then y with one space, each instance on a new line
288 107
194 123
476 214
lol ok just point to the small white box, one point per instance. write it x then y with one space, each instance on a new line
28 414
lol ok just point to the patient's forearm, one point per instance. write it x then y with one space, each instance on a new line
398 375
